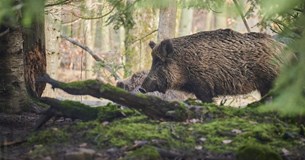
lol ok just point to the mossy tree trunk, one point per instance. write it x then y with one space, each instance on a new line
22 60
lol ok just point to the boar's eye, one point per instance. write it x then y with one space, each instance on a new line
156 61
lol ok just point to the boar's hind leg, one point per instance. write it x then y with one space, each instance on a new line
204 97
265 88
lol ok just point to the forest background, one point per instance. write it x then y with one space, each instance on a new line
119 33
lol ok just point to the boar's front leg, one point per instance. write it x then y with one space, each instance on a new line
204 97
201 90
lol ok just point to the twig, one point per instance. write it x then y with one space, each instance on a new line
99 17
96 57
139 39
58 3
4 32
12 143
210 8
241 15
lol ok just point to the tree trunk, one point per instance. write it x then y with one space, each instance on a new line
12 82
34 57
22 60
186 19
167 22
89 39
52 27
129 51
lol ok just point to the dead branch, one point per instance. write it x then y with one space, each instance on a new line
241 15
95 56
4 32
98 17
60 2
151 106
150 33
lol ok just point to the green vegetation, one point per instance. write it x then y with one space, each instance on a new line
49 136
80 84
254 152
112 111
146 152
31 11
288 19
219 130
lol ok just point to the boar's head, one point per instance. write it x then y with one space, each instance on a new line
133 82
165 72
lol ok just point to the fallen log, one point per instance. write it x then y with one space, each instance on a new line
153 107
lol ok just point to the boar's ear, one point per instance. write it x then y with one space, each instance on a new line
167 47
152 44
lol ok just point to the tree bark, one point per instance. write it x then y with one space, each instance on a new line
34 57
12 83
22 60
52 27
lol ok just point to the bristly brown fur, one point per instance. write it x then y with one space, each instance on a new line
214 63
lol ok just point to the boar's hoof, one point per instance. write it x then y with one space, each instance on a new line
142 90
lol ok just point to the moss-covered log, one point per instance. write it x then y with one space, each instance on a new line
153 107
77 110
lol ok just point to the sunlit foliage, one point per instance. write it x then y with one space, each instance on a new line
288 19
25 11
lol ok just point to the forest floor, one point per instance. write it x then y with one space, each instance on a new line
221 133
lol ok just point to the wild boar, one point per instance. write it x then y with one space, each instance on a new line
133 83
215 63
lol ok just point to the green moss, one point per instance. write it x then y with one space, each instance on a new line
109 87
141 95
112 111
84 126
256 151
78 110
39 151
214 131
219 130
144 153
255 128
80 84
180 111
124 132
49 136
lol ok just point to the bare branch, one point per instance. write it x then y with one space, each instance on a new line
4 32
242 15
144 36
99 17
96 57
60 2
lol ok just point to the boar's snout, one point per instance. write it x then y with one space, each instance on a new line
151 85
121 84
142 90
